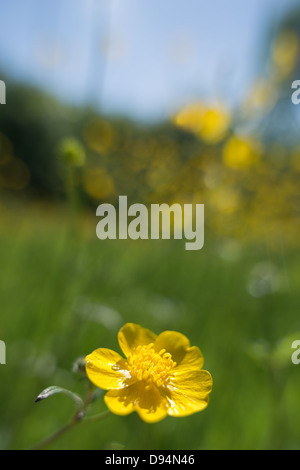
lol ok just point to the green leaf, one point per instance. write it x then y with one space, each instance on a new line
48 392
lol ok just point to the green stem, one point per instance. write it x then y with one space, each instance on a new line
98 417
78 418
73 201
53 437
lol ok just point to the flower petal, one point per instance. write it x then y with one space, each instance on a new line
188 392
175 343
152 407
120 401
107 369
132 335
193 360
147 401
154 415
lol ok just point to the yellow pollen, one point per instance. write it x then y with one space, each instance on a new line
151 367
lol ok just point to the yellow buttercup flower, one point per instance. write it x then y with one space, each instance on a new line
209 123
161 375
241 152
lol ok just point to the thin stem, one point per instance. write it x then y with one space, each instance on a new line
78 418
98 417
53 437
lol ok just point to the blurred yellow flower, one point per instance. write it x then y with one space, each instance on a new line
215 124
161 375
97 183
225 199
100 136
241 152
190 117
208 123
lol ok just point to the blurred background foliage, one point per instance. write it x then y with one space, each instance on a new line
64 293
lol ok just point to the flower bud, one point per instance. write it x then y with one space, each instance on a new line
72 152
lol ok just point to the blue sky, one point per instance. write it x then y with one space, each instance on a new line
143 58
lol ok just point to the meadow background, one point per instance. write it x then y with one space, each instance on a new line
83 125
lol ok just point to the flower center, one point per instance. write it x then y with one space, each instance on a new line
148 365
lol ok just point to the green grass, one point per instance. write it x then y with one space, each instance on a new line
55 292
